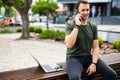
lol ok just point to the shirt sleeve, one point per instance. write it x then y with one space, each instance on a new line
95 33
68 28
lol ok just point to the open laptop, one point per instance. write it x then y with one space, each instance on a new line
49 67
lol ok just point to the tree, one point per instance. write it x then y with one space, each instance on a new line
42 7
22 6
0 3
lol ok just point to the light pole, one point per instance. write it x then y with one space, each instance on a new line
47 14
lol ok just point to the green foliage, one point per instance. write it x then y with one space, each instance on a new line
42 7
1 3
47 34
19 2
37 29
13 13
51 34
19 30
59 35
5 31
116 44
31 28
100 41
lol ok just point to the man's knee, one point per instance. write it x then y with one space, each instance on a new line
74 77
113 75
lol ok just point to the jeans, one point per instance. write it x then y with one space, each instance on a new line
75 65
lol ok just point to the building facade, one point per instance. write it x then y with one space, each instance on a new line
98 7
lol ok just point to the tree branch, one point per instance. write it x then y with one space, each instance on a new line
27 4
12 2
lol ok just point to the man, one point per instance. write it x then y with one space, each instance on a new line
83 48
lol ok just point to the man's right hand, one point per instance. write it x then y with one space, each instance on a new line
77 19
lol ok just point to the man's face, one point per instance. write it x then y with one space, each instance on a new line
84 10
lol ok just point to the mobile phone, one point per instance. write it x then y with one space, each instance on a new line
77 12
80 19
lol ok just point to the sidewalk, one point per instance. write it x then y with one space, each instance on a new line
16 54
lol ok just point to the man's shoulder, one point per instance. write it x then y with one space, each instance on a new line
71 23
92 24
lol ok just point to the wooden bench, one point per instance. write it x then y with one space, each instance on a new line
37 73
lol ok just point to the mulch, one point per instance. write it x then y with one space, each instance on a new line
107 48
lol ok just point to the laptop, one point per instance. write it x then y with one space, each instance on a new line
49 67
52 67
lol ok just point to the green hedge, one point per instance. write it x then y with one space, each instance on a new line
51 34
59 35
31 28
100 40
37 29
116 44
47 34
5 31
19 30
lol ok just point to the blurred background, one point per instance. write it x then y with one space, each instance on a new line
102 12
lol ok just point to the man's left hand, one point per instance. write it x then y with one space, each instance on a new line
91 69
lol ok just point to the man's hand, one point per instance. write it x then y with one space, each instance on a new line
77 19
91 69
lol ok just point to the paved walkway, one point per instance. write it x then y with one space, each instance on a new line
16 54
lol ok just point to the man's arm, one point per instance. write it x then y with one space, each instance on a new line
95 51
71 38
95 55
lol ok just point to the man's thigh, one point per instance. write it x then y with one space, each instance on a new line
74 67
103 68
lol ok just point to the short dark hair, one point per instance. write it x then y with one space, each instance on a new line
81 1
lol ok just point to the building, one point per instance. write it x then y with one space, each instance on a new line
107 7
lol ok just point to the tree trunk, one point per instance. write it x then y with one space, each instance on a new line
23 10
25 26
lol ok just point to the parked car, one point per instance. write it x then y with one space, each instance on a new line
1 21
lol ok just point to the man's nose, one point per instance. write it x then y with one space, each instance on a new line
85 12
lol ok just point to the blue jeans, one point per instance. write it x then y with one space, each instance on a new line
75 65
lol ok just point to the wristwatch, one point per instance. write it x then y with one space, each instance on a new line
76 26
94 63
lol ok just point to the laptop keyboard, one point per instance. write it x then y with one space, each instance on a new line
48 68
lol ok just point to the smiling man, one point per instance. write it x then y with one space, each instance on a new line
83 48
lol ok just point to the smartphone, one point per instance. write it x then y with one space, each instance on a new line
79 13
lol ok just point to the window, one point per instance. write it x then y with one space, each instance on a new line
116 7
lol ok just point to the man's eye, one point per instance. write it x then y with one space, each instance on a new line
87 9
83 10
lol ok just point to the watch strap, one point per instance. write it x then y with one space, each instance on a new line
76 26
94 63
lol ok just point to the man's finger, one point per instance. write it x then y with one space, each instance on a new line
88 70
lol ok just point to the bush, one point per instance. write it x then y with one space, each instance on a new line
31 28
116 44
100 41
51 34
5 31
19 30
59 35
37 29
47 34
